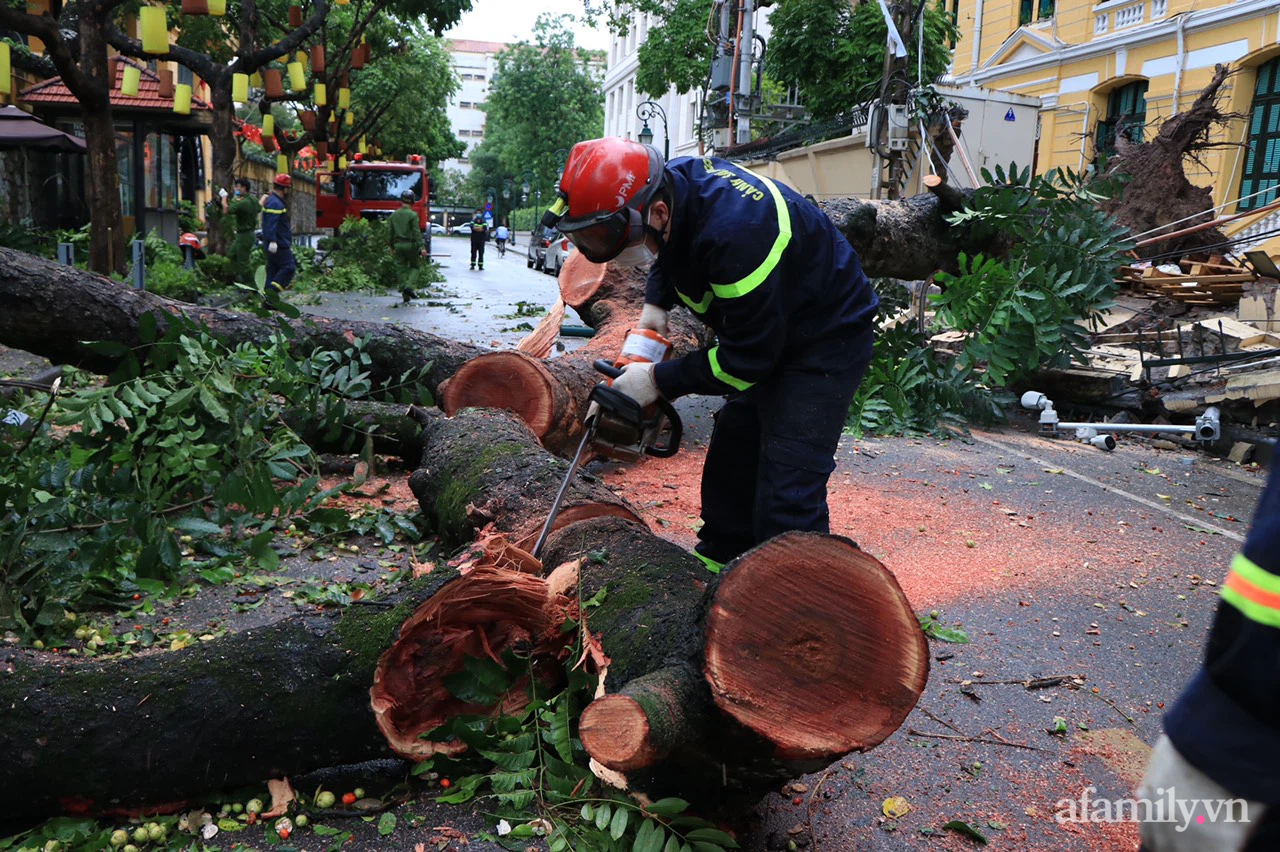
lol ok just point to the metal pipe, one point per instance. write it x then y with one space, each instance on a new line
1182 53
1204 226
977 39
1127 427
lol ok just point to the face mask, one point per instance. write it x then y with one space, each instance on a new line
238 193
640 254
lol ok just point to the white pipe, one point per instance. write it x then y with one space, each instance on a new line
964 158
977 38
1127 427
1084 134
1182 53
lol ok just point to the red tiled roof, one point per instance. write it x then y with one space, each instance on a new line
467 45
52 91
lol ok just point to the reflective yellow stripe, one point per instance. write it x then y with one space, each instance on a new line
1254 591
696 307
271 210
754 280
731 381
713 566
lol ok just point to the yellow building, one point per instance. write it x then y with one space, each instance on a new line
1122 66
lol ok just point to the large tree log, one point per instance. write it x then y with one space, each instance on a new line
164 726
551 395
52 311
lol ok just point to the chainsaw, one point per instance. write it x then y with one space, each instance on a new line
618 428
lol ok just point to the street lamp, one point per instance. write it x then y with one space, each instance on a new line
645 111
527 177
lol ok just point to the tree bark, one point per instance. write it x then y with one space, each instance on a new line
551 396
52 310
102 171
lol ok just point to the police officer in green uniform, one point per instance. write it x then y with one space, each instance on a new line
406 244
242 216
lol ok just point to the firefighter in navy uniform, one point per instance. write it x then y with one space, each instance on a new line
1222 736
784 292
277 235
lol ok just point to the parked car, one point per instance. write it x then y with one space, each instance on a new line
464 228
558 250
536 253
437 228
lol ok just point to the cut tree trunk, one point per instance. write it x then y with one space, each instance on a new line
552 395
102 174
485 467
52 311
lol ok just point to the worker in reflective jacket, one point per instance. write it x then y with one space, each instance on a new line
277 236
785 293
1214 777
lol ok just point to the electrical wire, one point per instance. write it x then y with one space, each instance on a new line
1222 206
1226 244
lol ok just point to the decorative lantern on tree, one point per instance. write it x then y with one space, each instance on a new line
295 16
6 69
268 126
321 95
297 77
166 82
272 83
240 88
317 59
155 30
217 8
344 98
195 7
182 99
130 77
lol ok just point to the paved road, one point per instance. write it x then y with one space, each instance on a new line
496 306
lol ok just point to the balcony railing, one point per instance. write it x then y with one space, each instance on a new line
1117 14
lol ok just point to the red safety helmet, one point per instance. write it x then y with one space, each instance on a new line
283 180
189 240
607 185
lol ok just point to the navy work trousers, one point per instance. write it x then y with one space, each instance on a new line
280 269
773 448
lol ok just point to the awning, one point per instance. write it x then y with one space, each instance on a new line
20 129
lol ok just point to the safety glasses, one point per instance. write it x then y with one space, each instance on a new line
603 237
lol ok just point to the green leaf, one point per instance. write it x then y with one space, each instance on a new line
588 813
712 835
673 844
211 404
198 527
618 825
386 823
962 827
667 807
603 814
649 837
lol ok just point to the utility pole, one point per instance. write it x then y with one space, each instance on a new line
888 125
746 42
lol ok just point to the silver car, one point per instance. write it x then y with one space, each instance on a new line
558 251
536 254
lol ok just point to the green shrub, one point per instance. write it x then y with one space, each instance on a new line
24 236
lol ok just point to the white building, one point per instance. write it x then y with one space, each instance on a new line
475 63
621 97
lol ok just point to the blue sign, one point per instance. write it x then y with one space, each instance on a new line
1008 116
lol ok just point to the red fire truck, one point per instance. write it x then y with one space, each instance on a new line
370 189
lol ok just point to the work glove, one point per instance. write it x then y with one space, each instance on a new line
1182 833
222 193
637 382
654 318
273 248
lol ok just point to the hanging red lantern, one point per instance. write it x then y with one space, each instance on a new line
295 16
308 119
273 83
317 59
166 82
195 7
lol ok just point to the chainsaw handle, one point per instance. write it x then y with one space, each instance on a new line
672 446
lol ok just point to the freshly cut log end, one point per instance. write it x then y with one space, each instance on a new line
480 614
648 720
507 380
615 731
811 643
580 279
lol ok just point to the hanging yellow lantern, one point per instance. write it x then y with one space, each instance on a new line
351 118
321 97
6 69
342 163
344 98
301 57
282 163
297 77
155 31
182 99
129 80
240 88
218 7
364 146
255 80
268 125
